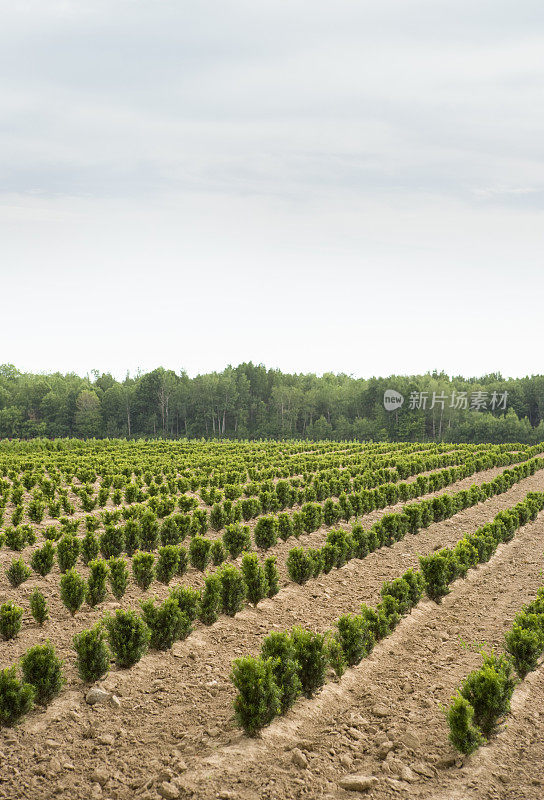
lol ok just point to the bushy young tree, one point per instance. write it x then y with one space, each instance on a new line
167 563
488 690
167 623
68 549
254 577
272 576
464 735
311 657
199 552
143 570
38 607
90 547
299 565
236 539
210 605
149 531
118 577
266 532
11 617
258 698
233 589
93 655
18 572
355 635
96 584
128 637
73 589
280 649
43 670
16 697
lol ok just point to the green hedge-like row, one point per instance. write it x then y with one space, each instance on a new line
342 545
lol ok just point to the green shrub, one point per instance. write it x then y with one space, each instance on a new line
188 599
525 645
285 526
377 620
16 697
489 690
312 517
355 636
271 575
112 542
18 572
464 735
311 657
210 605
254 577
92 523
118 577
233 589
38 607
170 532
335 655
435 569
149 531
258 698
52 533
43 670
183 560
217 552
96 584
90 547
280 649
68 548
199 521
199 552
389 607
266 532
128 637
217 517
93 655
167 623
236 539
400 591
300 565
167 563
73 589
11 617
43 558
131 533
143 570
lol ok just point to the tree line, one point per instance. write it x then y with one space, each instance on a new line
251 401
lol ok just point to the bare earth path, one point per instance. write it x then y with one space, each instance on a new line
175 725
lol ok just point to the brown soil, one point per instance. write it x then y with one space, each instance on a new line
175 721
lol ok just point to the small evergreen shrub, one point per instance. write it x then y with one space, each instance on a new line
68 548
464 735
143 570
258 698
271 575
233 589
167 563
149 531
236 539
96 583
166 623
188 599
128 637
73 589
355 636
254 577
16 697
489 690
93 655
131 532
199 552
18 572
525 645
90 548
217 552
38 607
311 657
266 532
11 617
300 566
43 670
280 649
112 542
210 605
118 577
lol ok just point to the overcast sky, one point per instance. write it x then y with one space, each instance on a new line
320 186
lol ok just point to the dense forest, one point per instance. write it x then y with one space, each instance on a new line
251 401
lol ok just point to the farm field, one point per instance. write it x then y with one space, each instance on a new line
235 541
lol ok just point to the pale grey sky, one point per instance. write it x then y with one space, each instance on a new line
350 186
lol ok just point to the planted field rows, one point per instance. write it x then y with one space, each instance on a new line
171 731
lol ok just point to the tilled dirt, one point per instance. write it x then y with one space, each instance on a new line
174 729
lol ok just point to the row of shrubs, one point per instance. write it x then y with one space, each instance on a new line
295 663
484 696
440 569
341 546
